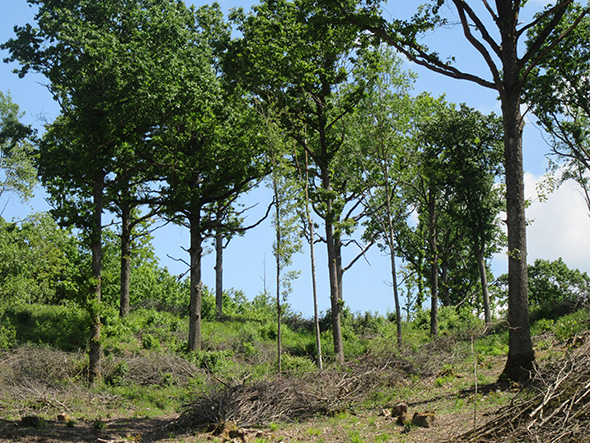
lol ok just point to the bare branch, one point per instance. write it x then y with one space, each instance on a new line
462 8
361 254
416 54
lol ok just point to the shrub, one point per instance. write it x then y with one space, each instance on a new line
64 327
571 325
297 365
556 290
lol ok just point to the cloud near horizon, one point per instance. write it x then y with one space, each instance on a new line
558 227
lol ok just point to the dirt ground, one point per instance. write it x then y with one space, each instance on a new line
346 427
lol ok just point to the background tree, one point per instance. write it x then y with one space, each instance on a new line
381 123
17 168
296 63
471 160
556 289
558 92
495 34
39 262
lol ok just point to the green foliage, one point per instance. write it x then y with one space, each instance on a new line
571 325
555 289
117 375
7 334
451 320
39 262
212 361
17 169
64 327
557 91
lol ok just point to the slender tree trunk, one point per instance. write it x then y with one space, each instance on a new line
196 252
219 269
433 267
339 270
521 356
444 271
391 245
125 260
485 293
278 249
398 310
94 353
316 312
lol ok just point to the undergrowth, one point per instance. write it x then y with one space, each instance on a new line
147 371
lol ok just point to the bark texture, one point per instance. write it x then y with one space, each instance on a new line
196 252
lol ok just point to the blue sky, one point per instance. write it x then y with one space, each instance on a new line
559 227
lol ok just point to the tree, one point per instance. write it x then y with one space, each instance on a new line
495 34
558 92
100 60
556 289
39 262
17 168
212 149
286 199
382 122
295 62
471 155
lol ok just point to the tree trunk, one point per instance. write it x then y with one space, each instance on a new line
278 249
485 293
398 310
339 270
521 356
446 296
125 260
219 272
391 245
433 267
196 252
316 313
94 353
335 304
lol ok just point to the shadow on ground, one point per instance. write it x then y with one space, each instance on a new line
131 429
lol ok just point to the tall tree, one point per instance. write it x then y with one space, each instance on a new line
472 157
494 31
212 149
294 61
381 123
100 60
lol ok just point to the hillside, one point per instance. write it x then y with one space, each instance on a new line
152 391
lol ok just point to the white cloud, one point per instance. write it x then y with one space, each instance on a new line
559 227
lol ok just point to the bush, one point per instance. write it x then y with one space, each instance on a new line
571 325
297 365
556 290
64 327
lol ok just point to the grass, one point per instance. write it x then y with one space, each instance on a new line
147 373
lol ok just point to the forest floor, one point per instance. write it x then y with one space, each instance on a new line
449 394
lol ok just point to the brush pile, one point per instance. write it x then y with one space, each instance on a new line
282 398
555 409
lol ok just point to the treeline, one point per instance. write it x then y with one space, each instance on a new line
167 115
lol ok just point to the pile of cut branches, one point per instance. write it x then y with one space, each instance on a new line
283 398
557 411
